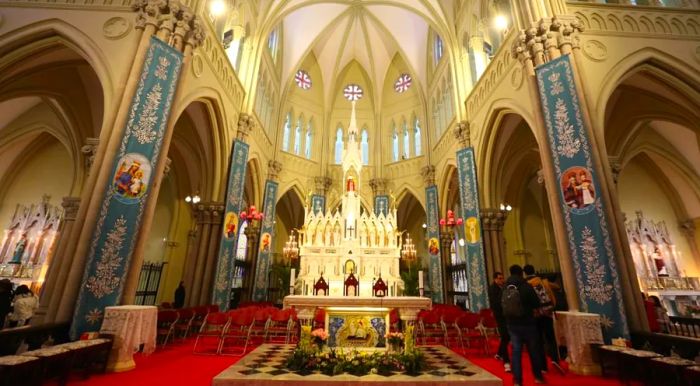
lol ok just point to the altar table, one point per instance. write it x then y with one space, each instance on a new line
131 326
577 331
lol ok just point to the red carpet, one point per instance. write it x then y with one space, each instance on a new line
176 365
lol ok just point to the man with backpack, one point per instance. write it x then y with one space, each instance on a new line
495 292
544 317
519 302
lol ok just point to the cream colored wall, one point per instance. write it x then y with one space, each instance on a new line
176 253
160 230
48 171
639 190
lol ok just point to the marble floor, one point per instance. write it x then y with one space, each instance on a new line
266 366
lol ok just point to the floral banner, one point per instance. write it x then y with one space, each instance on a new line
381 205
579 190
318 203
229 238
435 266
469 195
266 232
127 190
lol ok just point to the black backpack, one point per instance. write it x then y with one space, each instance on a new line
510 301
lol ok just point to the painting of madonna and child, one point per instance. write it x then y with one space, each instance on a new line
577 188
132 176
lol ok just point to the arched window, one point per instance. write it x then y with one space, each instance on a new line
416 137
297 138
365 147
273 43
339 145
437 49
287 129
406 142
395 144
307 144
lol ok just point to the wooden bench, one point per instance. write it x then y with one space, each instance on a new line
18 370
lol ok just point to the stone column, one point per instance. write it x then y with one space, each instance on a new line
204 218
190 260
153 17
217 211
252 232
446 238
494 242
54 283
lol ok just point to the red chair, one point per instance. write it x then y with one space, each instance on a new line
213 308
166 325
394 320
184 322
469 329
279 325
213 327
449 325
293 326
431 327
489 326
200 315
238 329
166 305
261 321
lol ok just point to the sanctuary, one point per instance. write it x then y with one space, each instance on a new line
350 244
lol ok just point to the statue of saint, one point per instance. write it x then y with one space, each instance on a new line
350 186
19 250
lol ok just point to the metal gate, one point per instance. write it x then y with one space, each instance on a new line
149 281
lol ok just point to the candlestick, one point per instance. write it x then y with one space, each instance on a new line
420 283
291 281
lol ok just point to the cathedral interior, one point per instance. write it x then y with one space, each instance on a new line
424 79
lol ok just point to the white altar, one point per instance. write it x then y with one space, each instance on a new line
348 240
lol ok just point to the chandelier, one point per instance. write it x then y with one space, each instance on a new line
449 222
408 251
291 248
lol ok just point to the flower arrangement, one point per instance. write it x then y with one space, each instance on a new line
320 336
334 362
394 338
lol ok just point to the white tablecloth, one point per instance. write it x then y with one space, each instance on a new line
132 327
577 331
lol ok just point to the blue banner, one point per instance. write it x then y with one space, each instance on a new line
584 212
229 239
469 197
127 190
266 232
381 205
318 203
431 202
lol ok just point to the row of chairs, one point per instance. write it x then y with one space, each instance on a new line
453 327
173 323
242 325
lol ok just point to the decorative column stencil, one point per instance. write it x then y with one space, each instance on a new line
431 196
229 239
469 196
318 203
381 205
584 212
266 232
127 190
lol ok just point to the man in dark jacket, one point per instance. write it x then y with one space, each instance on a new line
521 324
495 292
179 300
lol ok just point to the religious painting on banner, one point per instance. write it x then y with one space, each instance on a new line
584 212
318 203
381 205
265 253
127 189
434 244
221 295
469 197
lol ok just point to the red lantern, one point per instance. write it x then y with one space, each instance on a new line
244 215
459 221
442 221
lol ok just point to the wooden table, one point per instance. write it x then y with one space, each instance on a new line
132 326
668 371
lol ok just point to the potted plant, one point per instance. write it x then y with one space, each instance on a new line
319 336
394 341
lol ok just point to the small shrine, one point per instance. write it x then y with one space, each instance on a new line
28 243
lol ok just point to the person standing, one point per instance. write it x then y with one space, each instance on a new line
179 300
544 317
495 292
519 302
5 300
23 306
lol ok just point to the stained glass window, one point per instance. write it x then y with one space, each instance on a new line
307 145
297 138
352 92
287 129
437 49
403 83
395 144
416 137
365 147
406 141
339 145
303 80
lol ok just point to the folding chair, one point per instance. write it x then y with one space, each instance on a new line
279 325
431 327
200 315
184 322
166 325
449 325
469 329
261 321
238 329
212 327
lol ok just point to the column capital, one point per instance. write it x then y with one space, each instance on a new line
246 124
89 150
547 39
378 186
462 133
168 163
321 184
273 170
687 227
428 173
209 212
615 167
493 219
174 22
540 176
70 208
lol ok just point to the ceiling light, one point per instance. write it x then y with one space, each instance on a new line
217 7
500 22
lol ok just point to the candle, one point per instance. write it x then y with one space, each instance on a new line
420 279
291 281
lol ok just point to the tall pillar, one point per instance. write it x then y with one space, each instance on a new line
54 283
446 239
592 255
493 221
111 241
381 199
204 219
267 230
252 232
226 257
217 212
190 260
436 269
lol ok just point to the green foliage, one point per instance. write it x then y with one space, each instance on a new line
410 280
334 362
